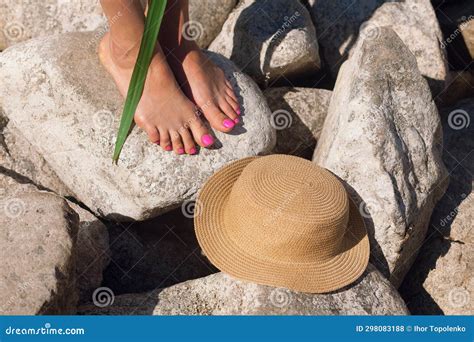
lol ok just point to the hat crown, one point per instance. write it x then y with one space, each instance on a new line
288 209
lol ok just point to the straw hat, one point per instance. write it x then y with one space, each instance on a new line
282 221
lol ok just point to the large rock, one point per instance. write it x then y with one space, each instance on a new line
341 23
37 239
206 18
382 136
155 253
92 252
72 122
298 115
219 294
24 163
269 40
25 19
442 278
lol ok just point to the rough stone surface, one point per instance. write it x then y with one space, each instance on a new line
206 19
21 161
25 19
155 253
270 39
72 122
219 294
37 238
92 252
298 115
442 278
341 23
382 136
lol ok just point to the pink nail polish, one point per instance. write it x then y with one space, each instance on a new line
238 111
207 140
157 142
237 120
228 123
168 148
192 151
180 150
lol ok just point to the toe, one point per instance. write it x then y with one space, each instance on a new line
228 110
218 119
165 140
234 104
189 145
153 134
201 133
230 91
178 146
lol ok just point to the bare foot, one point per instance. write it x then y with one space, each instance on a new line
204 83
164 112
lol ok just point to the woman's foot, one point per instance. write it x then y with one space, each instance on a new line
164 112
205 83
201 80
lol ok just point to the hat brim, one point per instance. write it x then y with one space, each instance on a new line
225 254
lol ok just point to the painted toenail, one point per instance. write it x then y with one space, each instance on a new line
180 150
168 148
237 120
207 140
228 123
192 151
157 142
238 111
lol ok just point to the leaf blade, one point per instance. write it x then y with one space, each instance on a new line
156 10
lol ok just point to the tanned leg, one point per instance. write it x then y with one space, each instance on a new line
164 112
201 80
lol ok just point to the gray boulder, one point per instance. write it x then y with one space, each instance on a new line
442 278
21 20
269 40
92 252
206 18
22 160
298 116
219 294
37 240
341 23
72 122
382 137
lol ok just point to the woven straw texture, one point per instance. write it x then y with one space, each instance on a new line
282 221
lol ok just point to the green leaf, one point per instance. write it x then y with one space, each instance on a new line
156 10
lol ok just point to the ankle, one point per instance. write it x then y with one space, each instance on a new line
123 53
